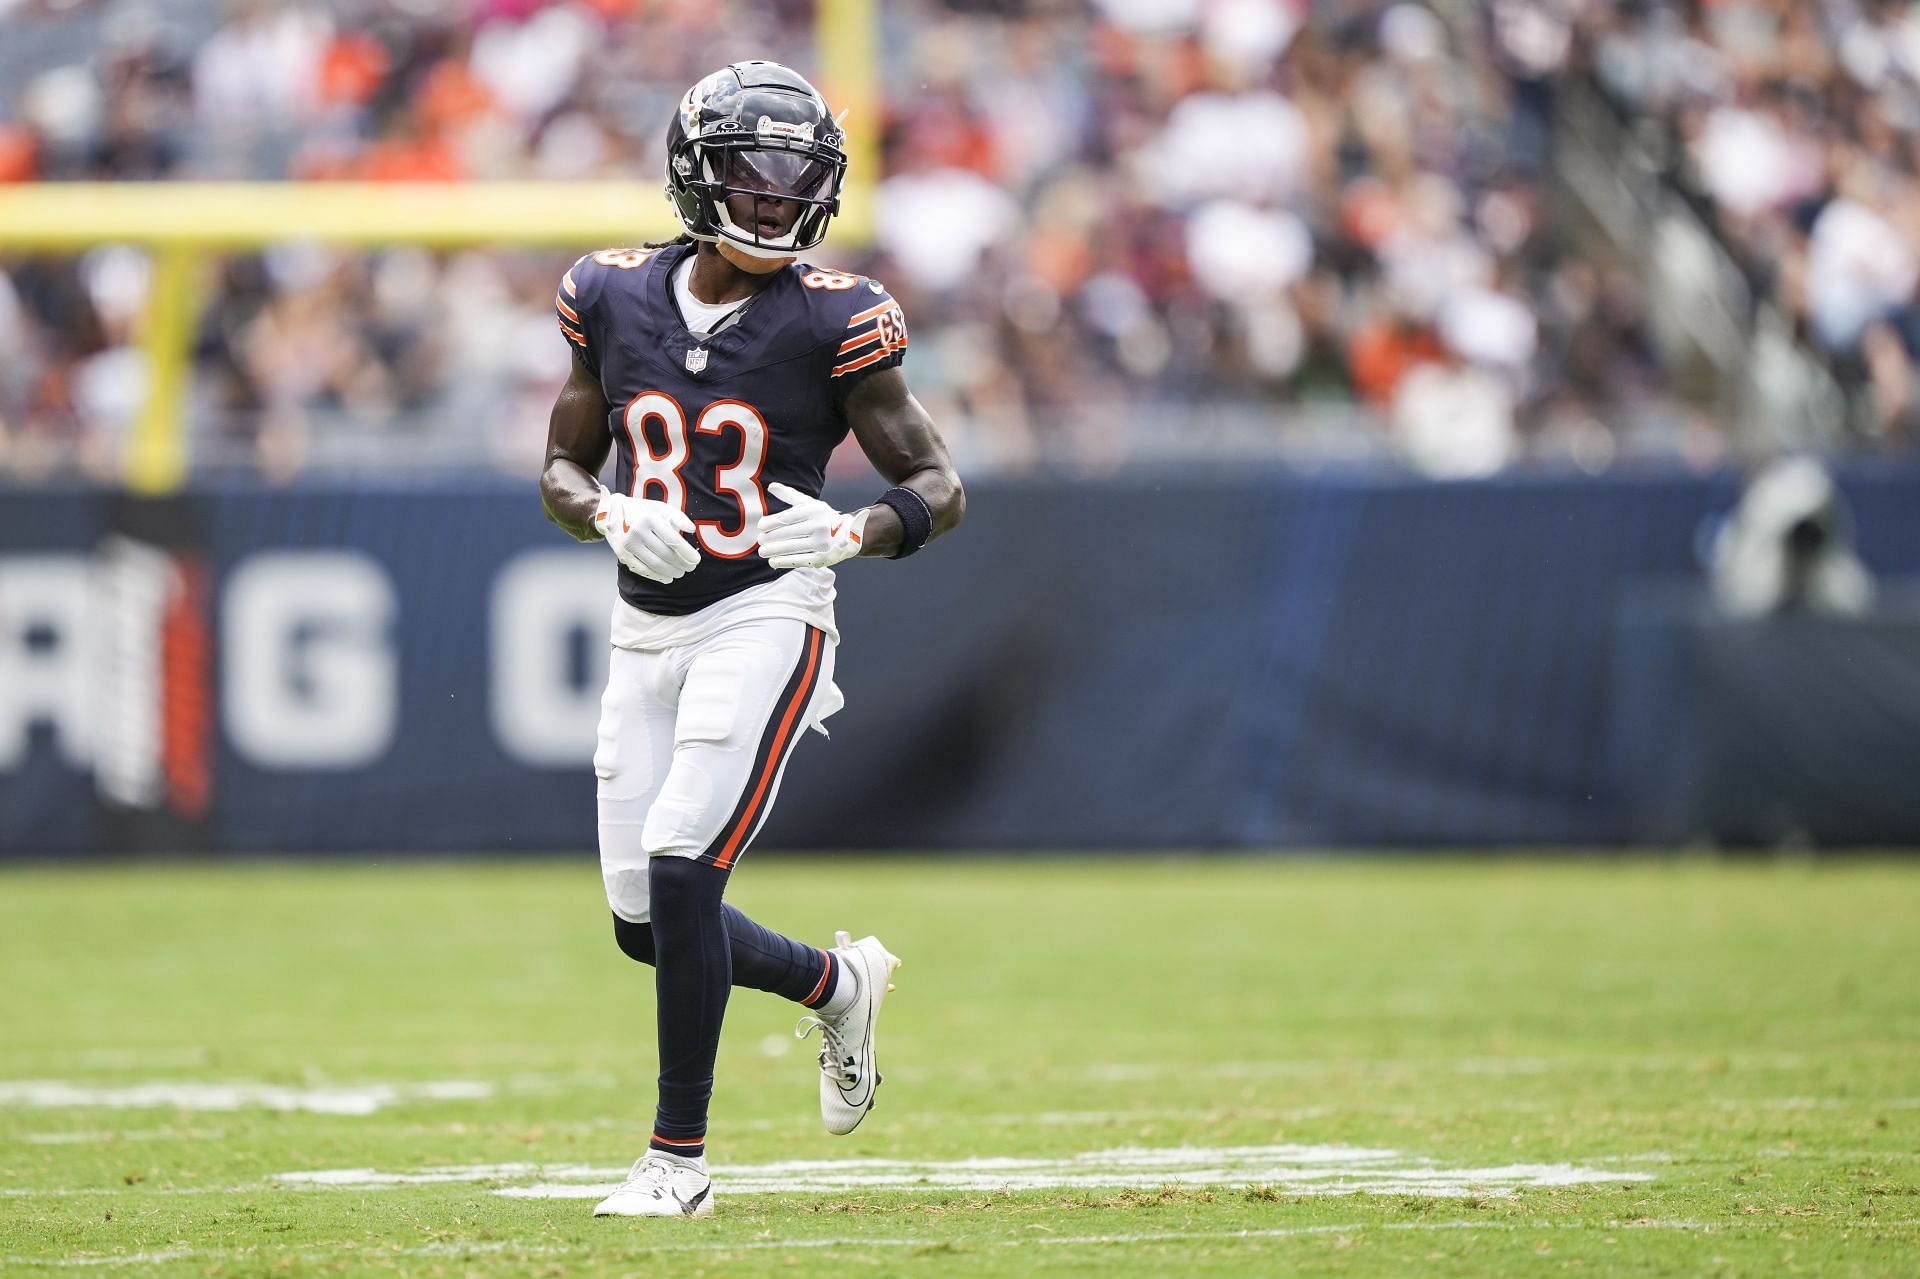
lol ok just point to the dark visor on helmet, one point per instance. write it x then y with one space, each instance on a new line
781 174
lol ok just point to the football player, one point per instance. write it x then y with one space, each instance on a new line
720 371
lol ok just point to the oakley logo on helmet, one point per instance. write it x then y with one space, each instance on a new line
754 159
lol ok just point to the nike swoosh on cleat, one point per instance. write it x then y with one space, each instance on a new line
688 1205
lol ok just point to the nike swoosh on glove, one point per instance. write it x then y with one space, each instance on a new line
646 536
809 533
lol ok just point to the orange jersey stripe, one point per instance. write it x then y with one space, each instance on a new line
566 282
870 312
571 335
565 309
772 766
868 358
854 344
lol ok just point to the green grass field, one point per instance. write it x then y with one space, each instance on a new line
1376 1068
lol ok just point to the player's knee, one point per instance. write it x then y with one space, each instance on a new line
634 939
683 887
628 894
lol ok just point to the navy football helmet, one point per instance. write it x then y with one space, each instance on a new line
758 135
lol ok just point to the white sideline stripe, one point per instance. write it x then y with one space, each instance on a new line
1325 1170
1302 1169
628 1247
344 1099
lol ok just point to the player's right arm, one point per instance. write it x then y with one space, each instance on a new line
578 441
649 537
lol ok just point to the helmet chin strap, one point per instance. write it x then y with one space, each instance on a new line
752 264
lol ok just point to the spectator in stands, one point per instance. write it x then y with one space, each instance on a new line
1151 224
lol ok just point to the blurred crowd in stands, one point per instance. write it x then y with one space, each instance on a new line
1793 124
1330 230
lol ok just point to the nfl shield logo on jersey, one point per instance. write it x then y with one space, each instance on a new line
696 359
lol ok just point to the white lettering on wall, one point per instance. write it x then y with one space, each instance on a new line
549 611
46 604
311 675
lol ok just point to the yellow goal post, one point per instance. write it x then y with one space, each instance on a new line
181 223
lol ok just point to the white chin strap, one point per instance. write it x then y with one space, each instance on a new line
760 251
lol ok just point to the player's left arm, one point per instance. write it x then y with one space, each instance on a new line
926 499
899 438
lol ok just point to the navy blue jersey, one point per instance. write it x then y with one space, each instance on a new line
705 424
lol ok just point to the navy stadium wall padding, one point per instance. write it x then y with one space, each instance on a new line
1256 661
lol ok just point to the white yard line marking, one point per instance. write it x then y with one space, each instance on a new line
1324 1170
1298 1169
341 1099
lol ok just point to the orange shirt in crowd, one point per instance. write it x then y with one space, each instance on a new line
352 70
1383 352
19 158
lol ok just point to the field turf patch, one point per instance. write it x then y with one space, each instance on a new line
1093 1066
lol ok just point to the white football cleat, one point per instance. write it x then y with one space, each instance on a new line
661 1185
848 1075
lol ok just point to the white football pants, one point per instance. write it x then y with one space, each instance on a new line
692 744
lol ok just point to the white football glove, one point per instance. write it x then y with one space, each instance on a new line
646 536
809 533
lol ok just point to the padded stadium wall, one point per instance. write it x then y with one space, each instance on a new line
1260 661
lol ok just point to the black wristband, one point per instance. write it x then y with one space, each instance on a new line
916 519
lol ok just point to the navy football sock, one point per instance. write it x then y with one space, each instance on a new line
692 974
770 961
762 959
